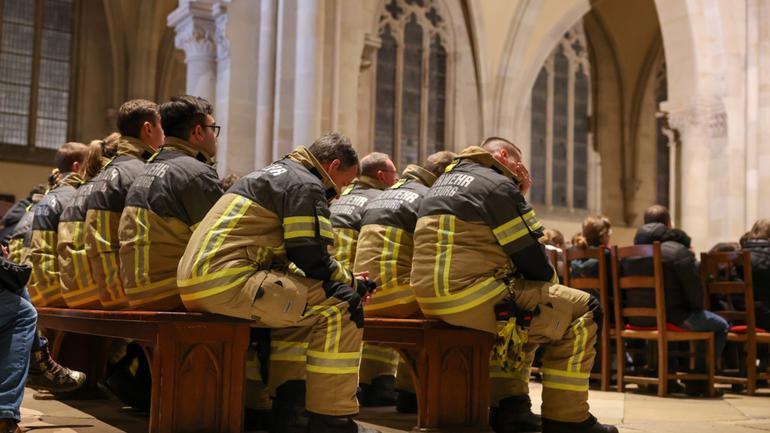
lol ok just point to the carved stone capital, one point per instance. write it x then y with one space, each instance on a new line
200 29
704 113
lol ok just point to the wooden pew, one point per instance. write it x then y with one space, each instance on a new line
450 369
197 362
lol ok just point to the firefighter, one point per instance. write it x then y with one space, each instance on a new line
385 252
178 186
141 134
44 281
78 287
21 236
477 263
261 254
378 363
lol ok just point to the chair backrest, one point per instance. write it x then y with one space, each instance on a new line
648 254
553 257
598 284
728 275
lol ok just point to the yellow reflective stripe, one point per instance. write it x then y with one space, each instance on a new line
342 275
516 228
102 237
565 380
444 241
333 325
141 246
396 247
81 266
325 227
333 363
290 351
389 297
345 240
200 294
377 353
578 346
299 227
463 300
219 231
152 286
188 282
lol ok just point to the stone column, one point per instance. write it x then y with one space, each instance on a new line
200 33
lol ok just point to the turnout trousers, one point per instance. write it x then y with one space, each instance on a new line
565 326
324 349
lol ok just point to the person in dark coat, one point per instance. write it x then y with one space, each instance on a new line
758 243
683 288
14 214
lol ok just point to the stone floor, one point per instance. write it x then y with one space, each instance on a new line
633 412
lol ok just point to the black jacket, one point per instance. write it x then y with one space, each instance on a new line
589 268
760 274
681 281
12 217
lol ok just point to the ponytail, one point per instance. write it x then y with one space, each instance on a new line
99 153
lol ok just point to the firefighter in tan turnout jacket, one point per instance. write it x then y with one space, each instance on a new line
477 258
141 135
378 363
177 188
261 254
385 252
45 282
78 287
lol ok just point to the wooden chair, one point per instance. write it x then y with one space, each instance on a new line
599 285
718 271
663 332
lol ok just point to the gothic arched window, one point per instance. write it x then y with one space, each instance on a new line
560 138
410 95
35 72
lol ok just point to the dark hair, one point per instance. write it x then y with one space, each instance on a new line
68 154
182 113
438 162
725 247
374 162
99 151
657 214
37 189
334 146
132 115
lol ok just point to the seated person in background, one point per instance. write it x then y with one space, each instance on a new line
20 233
683 287
45 225
169 198
553 240
596 233
17 211
758 243
228 181
78 287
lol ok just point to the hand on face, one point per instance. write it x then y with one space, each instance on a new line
522 174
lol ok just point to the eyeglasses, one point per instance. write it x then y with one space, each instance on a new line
215 127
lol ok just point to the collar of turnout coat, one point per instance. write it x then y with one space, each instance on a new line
370 182
185 147
482 157
134 147
415 172
72 179
303 156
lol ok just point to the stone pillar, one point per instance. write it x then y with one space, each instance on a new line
307 91
200 33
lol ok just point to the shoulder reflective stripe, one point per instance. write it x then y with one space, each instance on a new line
333 325
451 166
218 233
564 380
515 228
325 227
291 351
398 184
299 227
463 300
579 345
444 241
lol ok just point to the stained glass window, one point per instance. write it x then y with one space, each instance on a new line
35 41
410 95
560 132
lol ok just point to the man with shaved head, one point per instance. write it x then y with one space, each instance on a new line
477 263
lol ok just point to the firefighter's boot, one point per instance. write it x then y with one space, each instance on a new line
45 373
381 392
335 424
591 425
289 414
514 415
